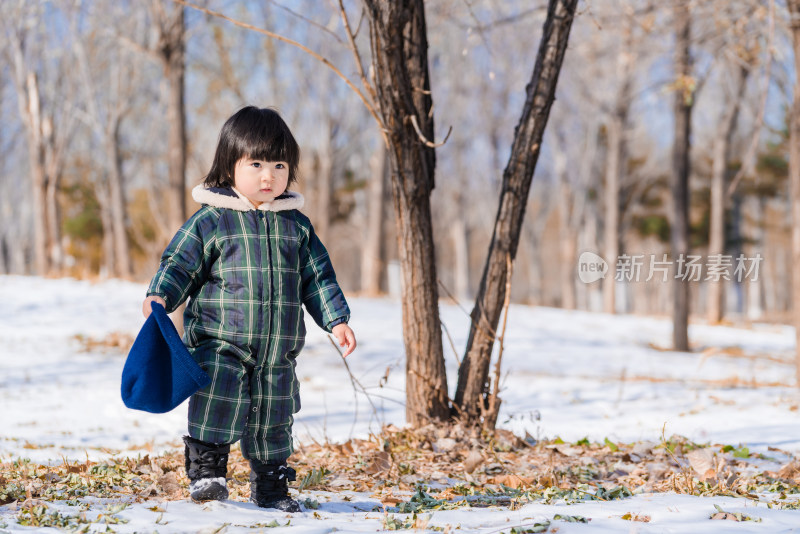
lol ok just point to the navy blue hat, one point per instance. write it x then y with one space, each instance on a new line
159 373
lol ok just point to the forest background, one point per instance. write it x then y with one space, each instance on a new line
110 113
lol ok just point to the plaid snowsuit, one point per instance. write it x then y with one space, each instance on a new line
247 273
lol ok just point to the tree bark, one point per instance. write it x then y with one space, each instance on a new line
679 235
473 388
372 260
399 47
719 171
794 178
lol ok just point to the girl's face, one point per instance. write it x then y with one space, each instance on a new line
260 181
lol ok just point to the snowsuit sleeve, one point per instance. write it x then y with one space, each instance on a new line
322 296
186 261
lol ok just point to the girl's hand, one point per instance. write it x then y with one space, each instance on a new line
147 308
346 338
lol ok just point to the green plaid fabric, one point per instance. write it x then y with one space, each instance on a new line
247 276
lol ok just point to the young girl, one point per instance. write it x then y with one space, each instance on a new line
248 261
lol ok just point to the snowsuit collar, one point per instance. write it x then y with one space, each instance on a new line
230 198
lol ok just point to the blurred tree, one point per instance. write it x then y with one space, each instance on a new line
109 76
719 176
616 130
794 176
684 87
42 89
373 254
170 50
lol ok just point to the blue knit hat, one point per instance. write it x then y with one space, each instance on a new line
159 373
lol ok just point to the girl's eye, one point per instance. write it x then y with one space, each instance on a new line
279 166
257 165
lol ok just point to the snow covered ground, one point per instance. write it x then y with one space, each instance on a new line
568 374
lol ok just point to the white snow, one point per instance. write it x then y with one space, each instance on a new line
566 373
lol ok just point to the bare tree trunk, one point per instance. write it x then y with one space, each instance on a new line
719 171
473 374
372 261
679 236
399 47
567 244
757 236
122 262
171 51
794 177
584 218
32 117
55 253
108 265
616 159
324 189
612 207
5 264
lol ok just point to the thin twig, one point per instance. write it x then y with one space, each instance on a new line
489 333
307 20
479 28
494 403
424 139
359 65
450 339
302 47
355 382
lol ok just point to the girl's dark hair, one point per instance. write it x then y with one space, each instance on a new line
257 133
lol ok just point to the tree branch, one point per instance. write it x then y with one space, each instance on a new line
286 40
359 65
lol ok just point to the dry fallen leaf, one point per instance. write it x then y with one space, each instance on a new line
725 516
473 460
702 462
790 471
382 462
169 483
511 481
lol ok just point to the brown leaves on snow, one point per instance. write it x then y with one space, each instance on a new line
390 465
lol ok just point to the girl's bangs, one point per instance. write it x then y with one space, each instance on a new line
275 148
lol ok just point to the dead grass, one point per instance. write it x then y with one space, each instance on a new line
467 466
114 341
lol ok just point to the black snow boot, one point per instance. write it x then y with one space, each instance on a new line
206 466
269 485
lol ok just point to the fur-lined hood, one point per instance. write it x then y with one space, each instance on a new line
230 198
